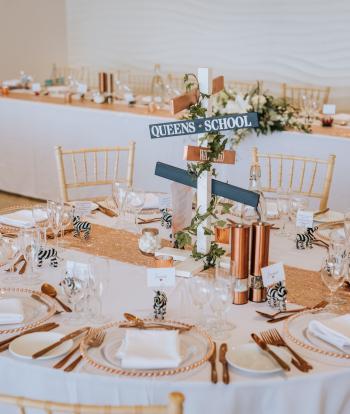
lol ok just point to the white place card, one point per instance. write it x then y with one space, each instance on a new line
329 109
164 201
82 208
273 274
158 277
305 219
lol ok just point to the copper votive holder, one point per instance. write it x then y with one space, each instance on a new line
240 298
240 235
222 234
163 261
257 295
259 256
102 82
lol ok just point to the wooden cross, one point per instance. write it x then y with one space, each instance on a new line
208 86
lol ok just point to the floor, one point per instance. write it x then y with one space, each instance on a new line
9 200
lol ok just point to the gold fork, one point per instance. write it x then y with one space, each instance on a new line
94 340
273 337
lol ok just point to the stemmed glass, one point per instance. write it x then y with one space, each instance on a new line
119 193
30 244
98 285
40 217
283 207
297 203
200 293
134 202
333 273
55 211
9 253
67 219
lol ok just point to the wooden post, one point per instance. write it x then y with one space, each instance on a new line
204 180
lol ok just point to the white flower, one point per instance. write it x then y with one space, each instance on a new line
238 106
258 101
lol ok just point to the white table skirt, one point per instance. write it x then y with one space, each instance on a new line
29 131
325 390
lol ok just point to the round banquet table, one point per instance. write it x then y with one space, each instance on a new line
324 390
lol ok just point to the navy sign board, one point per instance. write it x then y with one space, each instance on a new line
204 125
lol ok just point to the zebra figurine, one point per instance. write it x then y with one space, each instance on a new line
81 226
159 304
167 219
305 240
46 254
277 295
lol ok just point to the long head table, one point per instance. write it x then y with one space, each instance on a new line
325 389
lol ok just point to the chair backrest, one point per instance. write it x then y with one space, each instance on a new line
174 406
302 175
294 94
242 87
93 167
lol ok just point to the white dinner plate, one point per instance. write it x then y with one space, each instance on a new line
252 359
329 217
25 346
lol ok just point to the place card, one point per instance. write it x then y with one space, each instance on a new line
305 219
82 208
273 274
329 109
159 277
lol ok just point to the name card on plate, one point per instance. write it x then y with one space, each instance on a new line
304 219
82 208
159 277
273 274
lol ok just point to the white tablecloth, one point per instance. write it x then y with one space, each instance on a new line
29 131
325 390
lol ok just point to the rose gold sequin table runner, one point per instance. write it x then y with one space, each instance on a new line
304 286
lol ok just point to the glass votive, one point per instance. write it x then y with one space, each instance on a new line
240 291
149 241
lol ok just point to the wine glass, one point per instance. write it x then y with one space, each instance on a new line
40 217
200 293
9 253
119 193
333 273
67 219
30 244
55 211
135 200
283 207
98 286
297 202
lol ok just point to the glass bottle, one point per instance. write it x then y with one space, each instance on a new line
251 214
157 88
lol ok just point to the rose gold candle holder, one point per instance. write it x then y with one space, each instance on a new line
240 236
163 261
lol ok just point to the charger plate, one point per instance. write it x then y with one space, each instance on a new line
7 229
196 348
296 331
35 311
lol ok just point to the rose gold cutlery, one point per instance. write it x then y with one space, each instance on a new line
223 360
147 221
50 290
94 340
273 337
140 324
212 360
320 305
273 315
64 360
41 328
324 211
67 337
107 211
267 349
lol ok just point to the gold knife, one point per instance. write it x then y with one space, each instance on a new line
107 211
212 360
58 343
41 328
223 360
267 349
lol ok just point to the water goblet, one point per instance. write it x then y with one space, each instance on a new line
134 202
333 273
283 207
41 219
9 254
200 292
30 244
55 218
119 194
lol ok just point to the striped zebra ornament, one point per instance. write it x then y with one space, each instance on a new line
81 227
277 296
166 219
47 254
306 239
159 304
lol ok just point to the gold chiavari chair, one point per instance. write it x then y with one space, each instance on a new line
295 94
174 406
300 173
93 167
242 87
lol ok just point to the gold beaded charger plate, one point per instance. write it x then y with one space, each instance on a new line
297 333
195 344
36 309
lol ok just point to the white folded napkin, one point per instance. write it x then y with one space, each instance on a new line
150 349
20 218
341 117
11 311
335 331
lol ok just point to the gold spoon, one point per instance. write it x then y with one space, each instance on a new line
141 324
50 290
